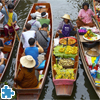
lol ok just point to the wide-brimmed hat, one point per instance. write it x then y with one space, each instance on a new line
28 61
66 16
92 53
33 15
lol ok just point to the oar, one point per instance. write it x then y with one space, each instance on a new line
11 21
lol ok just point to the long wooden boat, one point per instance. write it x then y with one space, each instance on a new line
96 6
64 87
34 93
7 48
83 50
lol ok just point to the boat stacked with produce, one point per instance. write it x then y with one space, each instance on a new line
96 4
65 57
90 55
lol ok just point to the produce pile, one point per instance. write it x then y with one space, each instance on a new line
90 35
70 41
65 52
62 73
66 62
65 58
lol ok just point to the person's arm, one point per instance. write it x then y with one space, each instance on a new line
1 7
22 39
40 49
59 29
2 61
48 33
80 15
19 78
15 19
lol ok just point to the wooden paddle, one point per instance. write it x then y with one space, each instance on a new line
11 22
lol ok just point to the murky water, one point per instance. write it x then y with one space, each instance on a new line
82 88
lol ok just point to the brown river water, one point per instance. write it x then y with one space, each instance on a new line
82 87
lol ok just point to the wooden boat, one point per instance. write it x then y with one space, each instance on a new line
64 87
96 5
34 93
7 48
83 50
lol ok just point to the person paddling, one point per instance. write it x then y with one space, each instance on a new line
9 21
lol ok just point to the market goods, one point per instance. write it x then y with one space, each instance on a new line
66 62
89 34
70 41
65 52
62 73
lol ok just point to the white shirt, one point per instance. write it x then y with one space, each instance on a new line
38 15
26 36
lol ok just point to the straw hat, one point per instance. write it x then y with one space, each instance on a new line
27 61
66 16
92 53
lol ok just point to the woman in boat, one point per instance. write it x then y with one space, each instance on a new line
2 66
35 25
65 27
84 16
9 21
28 76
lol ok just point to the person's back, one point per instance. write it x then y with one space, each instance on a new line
29 79
43 20
35 25
41 39
28 76
33 51
27 35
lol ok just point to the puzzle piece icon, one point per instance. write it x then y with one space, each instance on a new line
7 92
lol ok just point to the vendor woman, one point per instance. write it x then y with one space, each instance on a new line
65 27
84 16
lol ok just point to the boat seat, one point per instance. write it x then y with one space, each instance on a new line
7 48
37 87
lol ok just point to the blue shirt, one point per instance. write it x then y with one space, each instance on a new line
33 51
6 16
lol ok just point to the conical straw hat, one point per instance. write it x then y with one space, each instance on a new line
92 53
66 16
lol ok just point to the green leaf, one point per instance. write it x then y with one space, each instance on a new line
5 83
